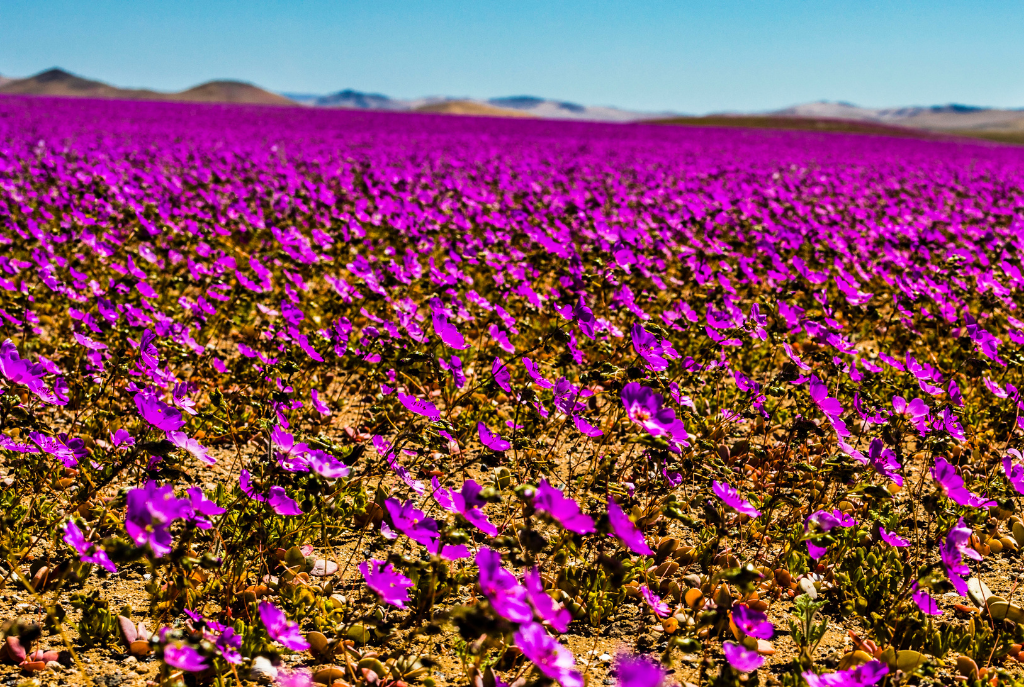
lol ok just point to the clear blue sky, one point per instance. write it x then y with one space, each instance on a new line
683 56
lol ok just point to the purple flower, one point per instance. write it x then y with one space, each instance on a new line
466 502
644 407
952 485
625 530
550 657
74 538
535 375
20 371
660 608
862 676
157 413
503 591
638 671
828 405
280 629
319 405
424 408
446 330
491 439
892 539
547 610
562 509
187 443
1014 471
732 499
502 377
150 512
414 523
952 551
184 658
925 601
751 622
390 585
282 503
326 465
585 428
202 508
741 658
649 348
883 460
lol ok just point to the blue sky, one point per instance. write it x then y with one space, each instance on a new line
681 56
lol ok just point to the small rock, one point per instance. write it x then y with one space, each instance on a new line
54 666
808 588
692 580
263 671
605 658
130 661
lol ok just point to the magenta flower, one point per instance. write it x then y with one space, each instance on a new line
424 408
282 504
414 523
638 671
625 530
157 413
202 508
184 658
550 657
883 460
280 629
741 658
952 485
447 331
502 377
916 411
467 503
74 538
547 610
732 499
952 551
660 608
500 587
751 622
319 405
925 602
892 539
562 509
150 512
645 408
1014 471
828 405
862 676
649 348
326 465
391 586
491 440
535 374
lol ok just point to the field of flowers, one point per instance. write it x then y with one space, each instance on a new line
354 399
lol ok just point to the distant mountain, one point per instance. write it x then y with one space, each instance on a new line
948 118
57 82
470 107
511 106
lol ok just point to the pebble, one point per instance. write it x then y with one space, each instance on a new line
55 666
262 671
605 657
808 588
130 661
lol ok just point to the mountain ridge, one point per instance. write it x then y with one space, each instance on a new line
956 118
